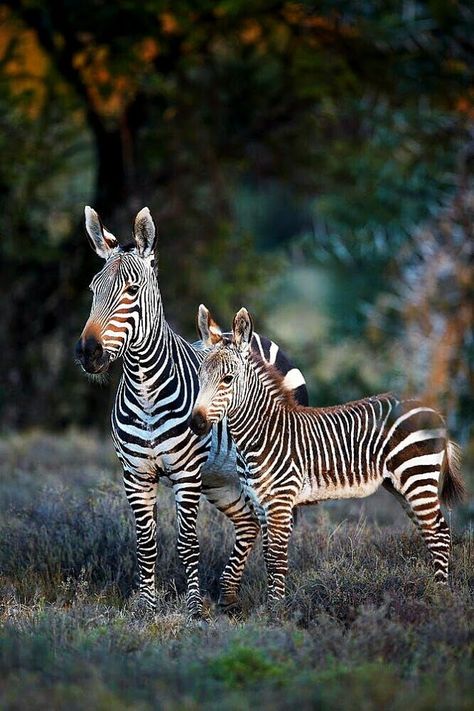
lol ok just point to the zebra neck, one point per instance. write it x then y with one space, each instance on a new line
149 370
262 409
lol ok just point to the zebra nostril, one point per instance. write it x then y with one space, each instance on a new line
92 349
98 351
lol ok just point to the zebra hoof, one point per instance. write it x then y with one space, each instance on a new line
195 615
142 609
229 605
195 620
228 599
276 607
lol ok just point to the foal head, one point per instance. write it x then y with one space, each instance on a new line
222 383
125 294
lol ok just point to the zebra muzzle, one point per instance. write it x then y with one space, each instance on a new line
91 355
199 424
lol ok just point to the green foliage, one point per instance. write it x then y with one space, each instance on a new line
39 206
393 170
332 128
244 666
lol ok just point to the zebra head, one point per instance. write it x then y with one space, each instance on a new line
125 292
222 372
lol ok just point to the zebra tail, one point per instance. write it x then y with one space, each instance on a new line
453 489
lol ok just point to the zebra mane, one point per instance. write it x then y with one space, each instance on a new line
131 245
272 377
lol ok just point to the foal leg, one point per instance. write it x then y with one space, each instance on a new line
232 502
230 498
436 534
420 497
279 525
387 484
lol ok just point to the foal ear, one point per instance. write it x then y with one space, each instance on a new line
101 240
208 330
144 232
242 329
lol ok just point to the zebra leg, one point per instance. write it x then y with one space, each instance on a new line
422 500
233 503
387 484
437 537
262 517
187 507
246 531
141 496
278 530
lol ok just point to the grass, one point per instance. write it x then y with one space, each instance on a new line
363 625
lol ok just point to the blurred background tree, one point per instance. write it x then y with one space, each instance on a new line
309 160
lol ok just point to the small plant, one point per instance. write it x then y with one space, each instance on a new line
241 666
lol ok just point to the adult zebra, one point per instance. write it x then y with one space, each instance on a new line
299 455
152 408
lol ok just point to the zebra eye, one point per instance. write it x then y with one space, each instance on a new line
228 379
132 289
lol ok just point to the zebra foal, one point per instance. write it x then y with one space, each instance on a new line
298 455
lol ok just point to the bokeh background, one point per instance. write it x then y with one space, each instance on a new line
311 161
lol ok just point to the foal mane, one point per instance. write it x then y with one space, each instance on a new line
285 397
276 380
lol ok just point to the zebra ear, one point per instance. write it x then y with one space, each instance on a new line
144 232
242 329
208 330
101 240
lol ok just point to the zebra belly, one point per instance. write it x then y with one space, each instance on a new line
311 492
